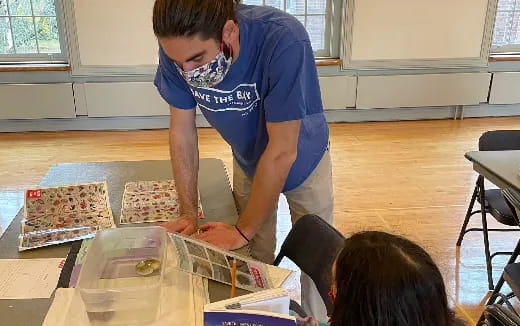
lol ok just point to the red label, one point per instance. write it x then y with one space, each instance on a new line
32 194
62 263
258 278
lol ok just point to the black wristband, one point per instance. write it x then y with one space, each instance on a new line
242 234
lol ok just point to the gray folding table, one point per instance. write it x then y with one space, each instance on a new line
500 167
215 195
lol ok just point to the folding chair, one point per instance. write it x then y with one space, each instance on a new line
499 315
491 200
313 244
511 275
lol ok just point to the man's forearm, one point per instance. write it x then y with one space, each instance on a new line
270 177
185 162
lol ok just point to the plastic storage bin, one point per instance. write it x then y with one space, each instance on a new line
110 287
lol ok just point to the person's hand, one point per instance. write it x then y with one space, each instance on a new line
222 235
185 224
307 321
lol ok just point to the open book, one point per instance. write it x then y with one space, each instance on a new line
264 308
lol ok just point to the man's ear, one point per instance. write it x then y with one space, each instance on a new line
230 32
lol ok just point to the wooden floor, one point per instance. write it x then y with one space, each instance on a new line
410 178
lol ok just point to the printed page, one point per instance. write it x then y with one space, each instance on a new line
61 214
29 278
150 201
205 260
278 275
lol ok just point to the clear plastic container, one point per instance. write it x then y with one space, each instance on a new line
111 288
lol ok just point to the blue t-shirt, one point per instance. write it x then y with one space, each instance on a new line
274 79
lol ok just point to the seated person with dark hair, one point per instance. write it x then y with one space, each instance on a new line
380 279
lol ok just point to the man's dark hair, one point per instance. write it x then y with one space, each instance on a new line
386 280
205 18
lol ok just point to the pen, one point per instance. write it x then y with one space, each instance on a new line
233 278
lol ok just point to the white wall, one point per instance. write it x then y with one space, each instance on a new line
30 101
115 32
124 100
505 88
338 92
422 90
418 29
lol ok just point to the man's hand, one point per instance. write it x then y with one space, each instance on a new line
185 224
222 235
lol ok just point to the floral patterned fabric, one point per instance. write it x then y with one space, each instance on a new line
210 74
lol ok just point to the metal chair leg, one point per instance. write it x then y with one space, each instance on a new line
506 298
501 281
485 233
469 213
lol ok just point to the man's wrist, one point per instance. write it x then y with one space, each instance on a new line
189 214
246 231
242 234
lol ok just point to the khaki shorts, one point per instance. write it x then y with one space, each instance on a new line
314 196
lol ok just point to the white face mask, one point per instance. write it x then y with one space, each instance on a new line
210 74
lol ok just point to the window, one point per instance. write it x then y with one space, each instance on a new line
29 31
506 38
313 14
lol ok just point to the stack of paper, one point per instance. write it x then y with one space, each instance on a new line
150 201
56 215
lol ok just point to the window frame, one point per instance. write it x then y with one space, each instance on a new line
333 15
41 58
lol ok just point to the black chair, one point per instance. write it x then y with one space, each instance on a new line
502 312
296 308
313 244
499 315
491 201
513 200
511 275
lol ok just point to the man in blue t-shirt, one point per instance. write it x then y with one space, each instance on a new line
252 73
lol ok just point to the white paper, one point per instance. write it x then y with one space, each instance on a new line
275 300
29 278
279 275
